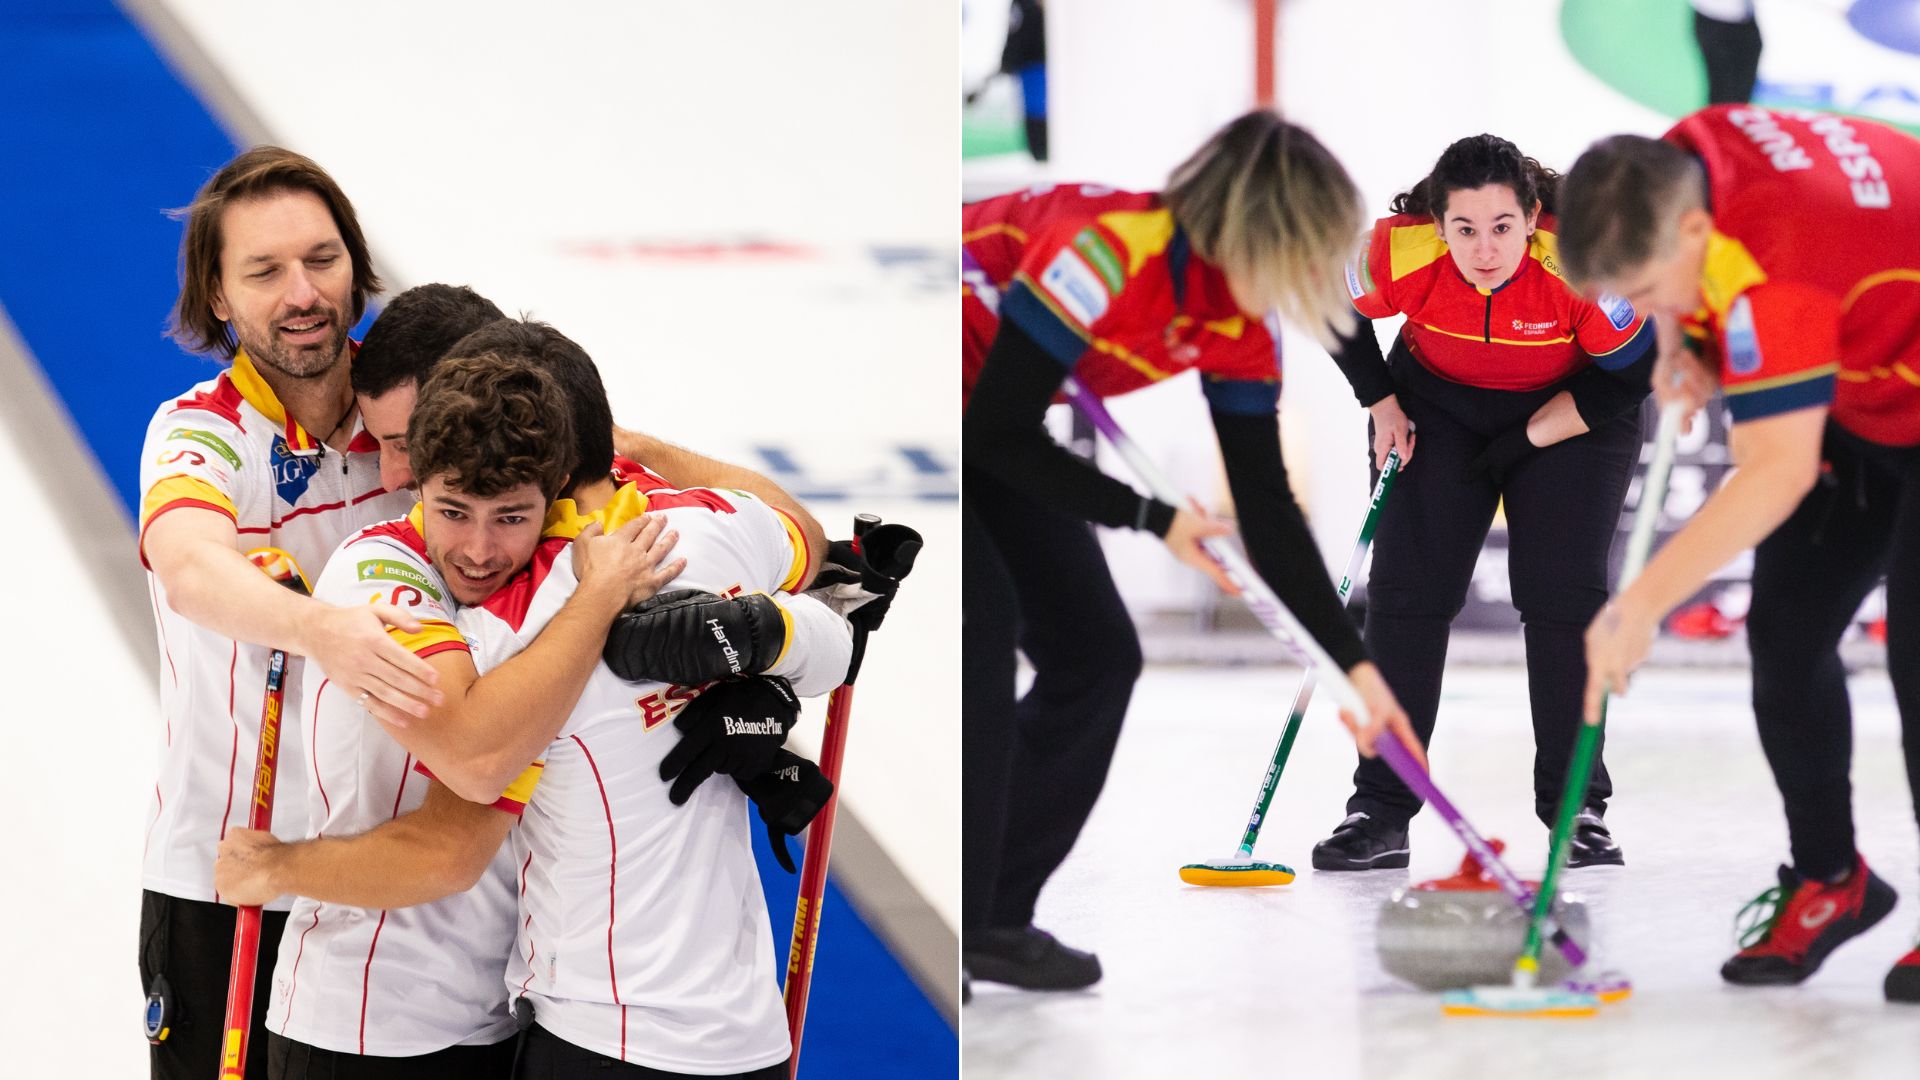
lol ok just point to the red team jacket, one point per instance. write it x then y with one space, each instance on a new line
1811 291
1529 333
1105 282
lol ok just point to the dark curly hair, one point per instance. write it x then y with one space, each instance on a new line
1475 162
490 422
561 357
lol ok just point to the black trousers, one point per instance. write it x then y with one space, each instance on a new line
547 1056
1562 505
1033 579
186 951
290 1060
1861 523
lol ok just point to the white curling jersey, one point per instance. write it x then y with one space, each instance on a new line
643 933
230 447
393 982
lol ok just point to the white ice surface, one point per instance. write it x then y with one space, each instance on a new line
1284 981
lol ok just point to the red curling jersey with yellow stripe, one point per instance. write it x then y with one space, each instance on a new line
1811 290
1108 285
229 446
1529 333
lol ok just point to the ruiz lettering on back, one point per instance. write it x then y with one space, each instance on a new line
1866 179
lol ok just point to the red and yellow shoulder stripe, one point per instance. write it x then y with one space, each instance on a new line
435 636
409 532
178 492
513 800
797 540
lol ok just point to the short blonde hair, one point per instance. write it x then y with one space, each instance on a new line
1268 204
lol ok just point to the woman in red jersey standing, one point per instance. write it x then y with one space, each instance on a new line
1119 290
1513 389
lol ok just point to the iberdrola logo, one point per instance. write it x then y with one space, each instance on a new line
1860 57
389 570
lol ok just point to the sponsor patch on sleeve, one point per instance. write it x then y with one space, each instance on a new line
207 439
1620 314
1072 284
1359 282
1101 256
1743 344
389 570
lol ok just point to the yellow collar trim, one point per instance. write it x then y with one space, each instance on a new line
1143 233
1545 248
255 390
564 518
1730 270
253 387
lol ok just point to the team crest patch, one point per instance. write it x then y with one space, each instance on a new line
1743 344
1620 314
388 570
1075 287
292 472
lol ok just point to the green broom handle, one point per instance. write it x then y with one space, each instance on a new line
1301 699
1586 747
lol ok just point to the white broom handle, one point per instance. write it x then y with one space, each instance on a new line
1653 492
1259 598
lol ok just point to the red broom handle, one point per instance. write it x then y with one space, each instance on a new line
246 930
266 759
813 873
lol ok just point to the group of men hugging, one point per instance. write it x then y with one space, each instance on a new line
548 665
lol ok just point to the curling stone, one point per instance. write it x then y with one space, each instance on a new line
1462 931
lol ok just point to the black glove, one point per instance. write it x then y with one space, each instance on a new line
788 796
735 727
689 637
1500 456
856 591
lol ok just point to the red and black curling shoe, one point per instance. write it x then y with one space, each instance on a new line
1903 982
1788 931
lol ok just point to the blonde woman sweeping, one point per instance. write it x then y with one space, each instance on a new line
1119 290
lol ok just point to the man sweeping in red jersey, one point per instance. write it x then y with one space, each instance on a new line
1783 244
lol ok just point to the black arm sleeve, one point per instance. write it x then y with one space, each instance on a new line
1602 396
1276 533
1004 435
1359 359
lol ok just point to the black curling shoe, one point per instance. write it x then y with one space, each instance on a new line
1362 842
1029 958
1592 844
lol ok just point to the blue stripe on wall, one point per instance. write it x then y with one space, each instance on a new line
97 140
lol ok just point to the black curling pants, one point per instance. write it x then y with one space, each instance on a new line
186 954
1562 505
1033 579
1860 523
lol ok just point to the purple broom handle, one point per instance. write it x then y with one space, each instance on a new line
1281 622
